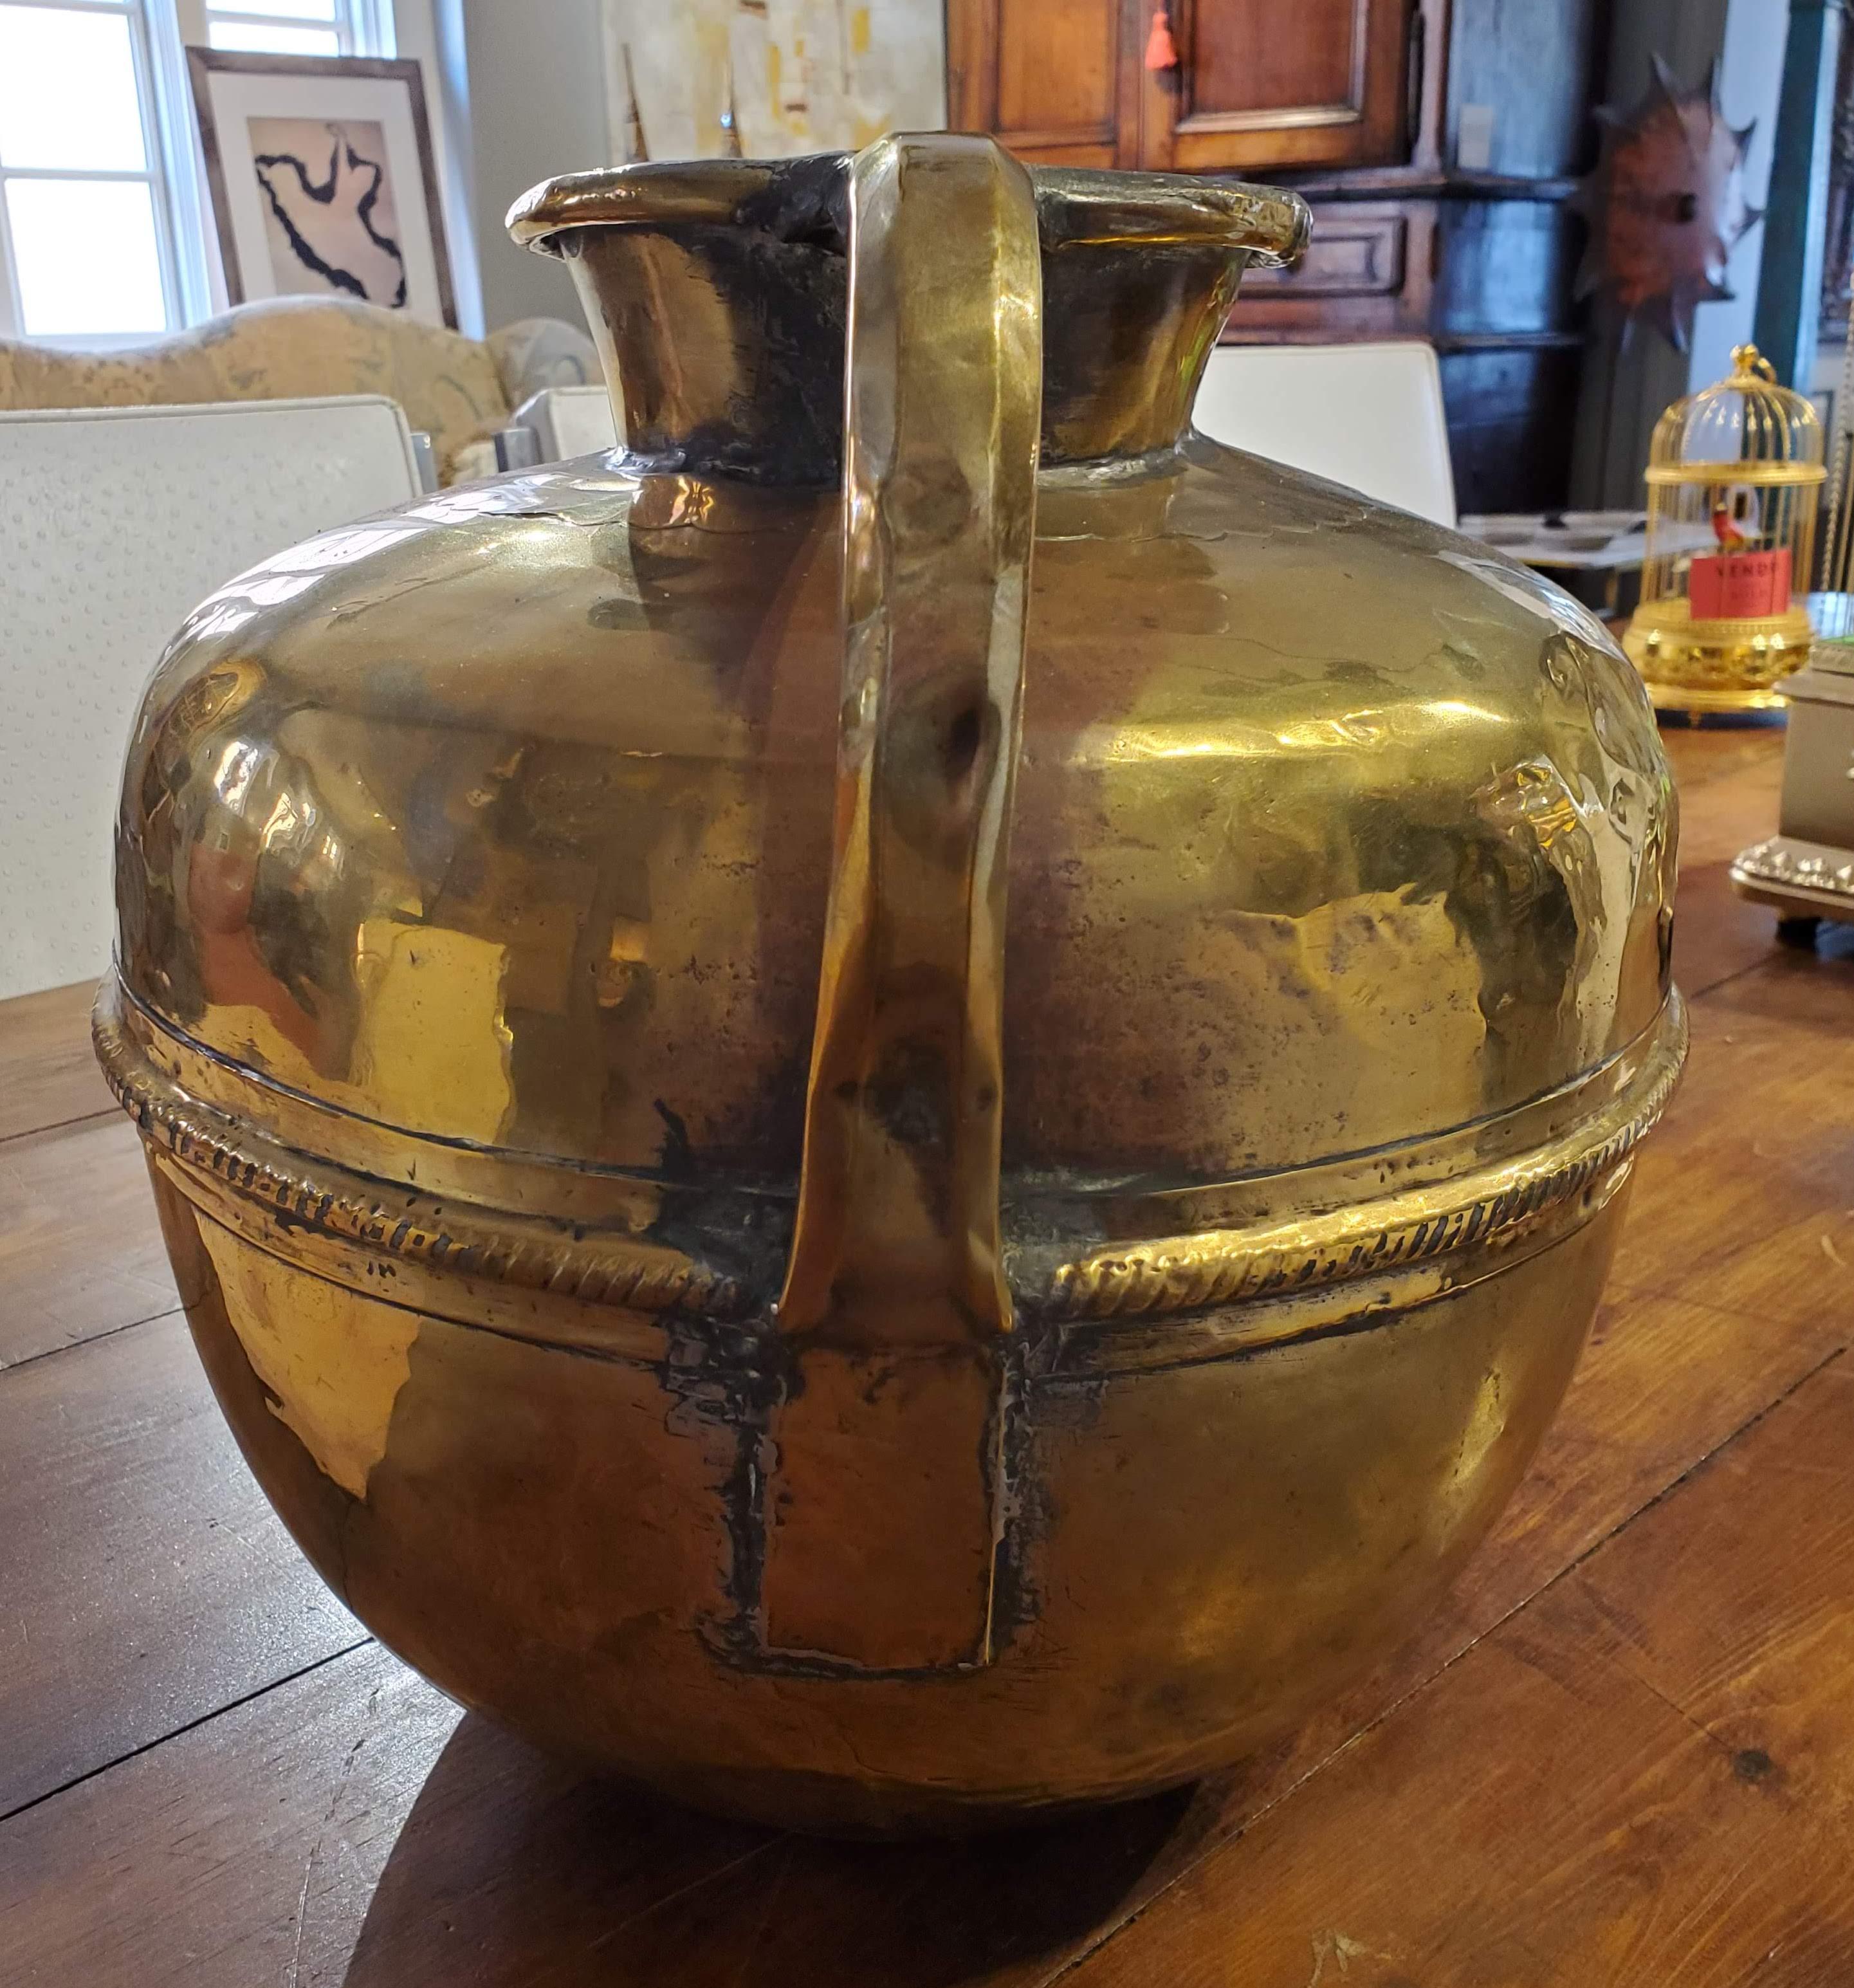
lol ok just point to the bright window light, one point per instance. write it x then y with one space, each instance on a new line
290 10
102 235
272 38
68 97
86 256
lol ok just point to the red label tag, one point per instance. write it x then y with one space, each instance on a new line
1739 587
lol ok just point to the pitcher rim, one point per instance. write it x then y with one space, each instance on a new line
1076 206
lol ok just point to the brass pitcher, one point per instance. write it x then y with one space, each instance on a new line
994 1279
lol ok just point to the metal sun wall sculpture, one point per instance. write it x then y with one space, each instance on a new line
1666 206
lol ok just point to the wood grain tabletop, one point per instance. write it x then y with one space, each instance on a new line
1622 1753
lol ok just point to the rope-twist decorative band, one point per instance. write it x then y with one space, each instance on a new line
494 1245
1488 1207
1232 1266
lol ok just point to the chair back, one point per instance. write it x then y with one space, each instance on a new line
1368 415
115 523
569 421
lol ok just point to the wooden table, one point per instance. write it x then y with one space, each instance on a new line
1623 1754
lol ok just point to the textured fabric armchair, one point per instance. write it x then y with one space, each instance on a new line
459 391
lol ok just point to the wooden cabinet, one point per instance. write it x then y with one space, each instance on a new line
1047 76
1282 83
1436 140
1258 83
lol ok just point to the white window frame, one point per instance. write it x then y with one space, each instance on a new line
362 27
159 32
154 174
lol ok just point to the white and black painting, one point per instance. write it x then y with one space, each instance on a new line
331 221
323 182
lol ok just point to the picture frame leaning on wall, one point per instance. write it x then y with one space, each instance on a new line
323 179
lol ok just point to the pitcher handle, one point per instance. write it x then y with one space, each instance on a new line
882 1495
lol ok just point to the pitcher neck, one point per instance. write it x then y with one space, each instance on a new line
716 292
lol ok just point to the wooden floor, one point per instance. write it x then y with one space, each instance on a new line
1624 1754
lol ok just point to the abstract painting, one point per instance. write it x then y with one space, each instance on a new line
329 217
322 180
769 78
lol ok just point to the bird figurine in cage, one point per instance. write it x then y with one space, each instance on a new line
1734 479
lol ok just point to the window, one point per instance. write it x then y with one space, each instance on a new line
102 222
290 27
84 229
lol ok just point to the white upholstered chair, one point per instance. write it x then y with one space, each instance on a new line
1369 415
567 421
114 524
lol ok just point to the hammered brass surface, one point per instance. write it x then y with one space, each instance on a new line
1331 831
861 1317
1222 1541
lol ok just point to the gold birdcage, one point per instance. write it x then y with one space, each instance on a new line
1734 479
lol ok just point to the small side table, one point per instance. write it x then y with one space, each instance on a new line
1595 556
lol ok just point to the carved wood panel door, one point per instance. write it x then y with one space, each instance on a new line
1054 80
1285 82
1259 83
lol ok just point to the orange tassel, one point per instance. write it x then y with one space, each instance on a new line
1161 50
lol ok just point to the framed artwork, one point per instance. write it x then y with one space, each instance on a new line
322 180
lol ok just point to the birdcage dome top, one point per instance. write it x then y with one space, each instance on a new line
1746 428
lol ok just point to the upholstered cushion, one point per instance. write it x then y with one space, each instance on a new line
536 353
288 348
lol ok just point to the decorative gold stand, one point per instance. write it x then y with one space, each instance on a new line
1717 667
